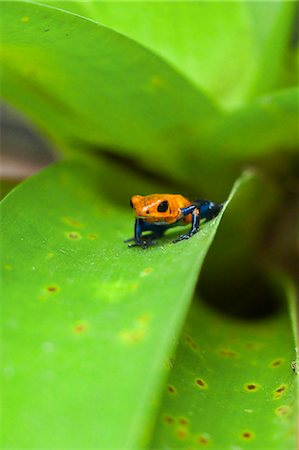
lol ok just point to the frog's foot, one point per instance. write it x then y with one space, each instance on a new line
143 244
182 237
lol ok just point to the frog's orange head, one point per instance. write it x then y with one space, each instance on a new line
158 207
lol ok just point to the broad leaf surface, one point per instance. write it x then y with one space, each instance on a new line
232 384
274 33
88 323
266 128
228 49
89 87
82 82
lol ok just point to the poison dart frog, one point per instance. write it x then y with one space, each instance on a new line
158 212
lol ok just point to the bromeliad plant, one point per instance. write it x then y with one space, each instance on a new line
102 346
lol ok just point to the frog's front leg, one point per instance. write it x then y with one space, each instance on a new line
137 234
194 225
145 242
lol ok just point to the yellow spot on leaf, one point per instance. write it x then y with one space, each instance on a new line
280 391
255 346
25 19
132 336
247 435
201 384
276 363
73 235
72 222
183 421
283 411
138 331
168 419
48 292
251 387
168 364
80 327
190 342
52 289
203 439
92 236
144 318
156 81
114 291
145 272
171 389
227 353
182 433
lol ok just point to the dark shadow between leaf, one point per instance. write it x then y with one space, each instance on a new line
249 297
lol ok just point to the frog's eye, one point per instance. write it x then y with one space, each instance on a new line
131 203
163 206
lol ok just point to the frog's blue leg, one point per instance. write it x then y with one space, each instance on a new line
200 209
138 228
146 241
208 209
137 231
194 224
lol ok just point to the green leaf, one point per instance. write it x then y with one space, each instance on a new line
261 131
91 88
232 134
231 384
87 322
274 26
290 289
223 48
88 84
250 135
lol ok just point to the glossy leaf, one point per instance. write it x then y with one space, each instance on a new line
88 323
90 85
232 384
275 23
263 130
90 88
228 49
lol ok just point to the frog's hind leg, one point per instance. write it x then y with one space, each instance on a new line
208 209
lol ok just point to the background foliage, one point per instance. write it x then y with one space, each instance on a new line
143 97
